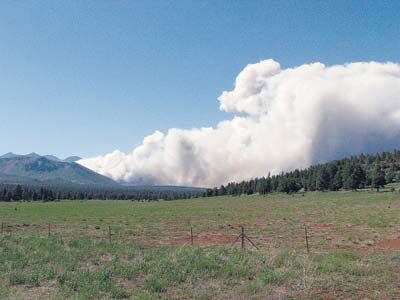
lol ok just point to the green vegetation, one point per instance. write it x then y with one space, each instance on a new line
33 177
11 192
353 242
352 173
370 171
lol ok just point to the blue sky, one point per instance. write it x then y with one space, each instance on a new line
87 77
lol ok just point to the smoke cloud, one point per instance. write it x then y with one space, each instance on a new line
282 119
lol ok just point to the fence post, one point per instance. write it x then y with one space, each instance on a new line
49 231
109 233
306 237
242 236
191 235
2 227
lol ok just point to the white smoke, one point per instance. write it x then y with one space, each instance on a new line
283 119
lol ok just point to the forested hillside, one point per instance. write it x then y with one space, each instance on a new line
362 171
355 172
50 193
34 177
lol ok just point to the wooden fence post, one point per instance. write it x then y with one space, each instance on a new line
49 231
109 233
191 235
242 235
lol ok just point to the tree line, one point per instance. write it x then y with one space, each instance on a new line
36 193
352 173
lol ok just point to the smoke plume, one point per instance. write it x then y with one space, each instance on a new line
282 119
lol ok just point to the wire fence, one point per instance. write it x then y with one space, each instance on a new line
316 238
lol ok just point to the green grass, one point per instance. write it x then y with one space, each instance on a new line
150 257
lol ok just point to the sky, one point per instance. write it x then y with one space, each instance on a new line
88 77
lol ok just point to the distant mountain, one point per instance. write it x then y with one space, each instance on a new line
52 157
72 159
32 155
9 155
69 159
49 170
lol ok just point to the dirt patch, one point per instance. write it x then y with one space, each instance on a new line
389 243
261 223
206 239
328 295
42 292
321 225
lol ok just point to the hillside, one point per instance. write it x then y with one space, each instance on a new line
35 169
351 173
35 177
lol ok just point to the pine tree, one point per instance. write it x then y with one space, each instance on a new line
390 176
348 180
337 182
359 176
222 190
323 179
378 177
17 195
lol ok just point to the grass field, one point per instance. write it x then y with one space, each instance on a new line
354 242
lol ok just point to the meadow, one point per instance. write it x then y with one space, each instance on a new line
58 250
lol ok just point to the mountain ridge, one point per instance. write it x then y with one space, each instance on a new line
49 170
72 158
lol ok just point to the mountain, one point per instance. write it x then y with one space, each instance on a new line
52 157
69 159
9 155
72 159
48 170
32 155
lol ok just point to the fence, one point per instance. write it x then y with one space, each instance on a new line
311 237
